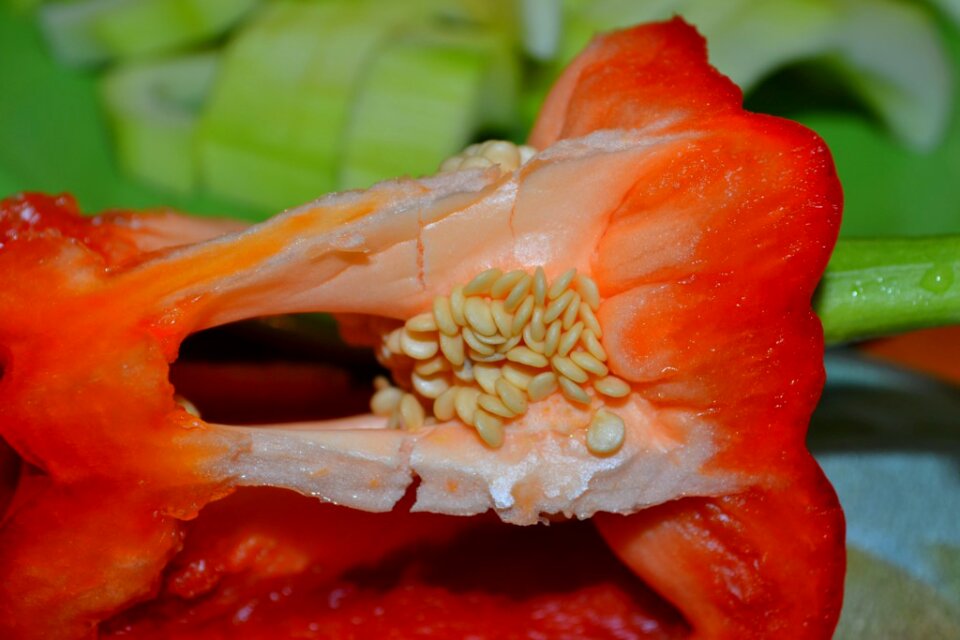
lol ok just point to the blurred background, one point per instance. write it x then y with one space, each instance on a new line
246 107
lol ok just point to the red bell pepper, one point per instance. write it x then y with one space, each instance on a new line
705 228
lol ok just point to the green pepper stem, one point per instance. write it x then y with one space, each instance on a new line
882 286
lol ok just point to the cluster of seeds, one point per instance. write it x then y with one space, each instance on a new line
494 345
486 154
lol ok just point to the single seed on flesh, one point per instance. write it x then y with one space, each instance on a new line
573 391
568 369
605 434
589 291
542 385
538 328
471 339
479 316
552 341
385 401
476 162
466 404
432 366
443 316
560 285
503 153
502 318
452 348
411 411
612 387
486 376
518 293
393 341
505 283
593 345
482 282
588 363
511 396
457 302
489 428
530 341
540 286
380 383
429 386
419 346
523 355
493 404
569 339
558 306
451 164
443 406
570 313
422 322
590 320
522 315
517 376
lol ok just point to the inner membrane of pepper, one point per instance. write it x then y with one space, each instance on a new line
493 345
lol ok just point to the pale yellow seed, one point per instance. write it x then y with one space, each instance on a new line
560 285
489 428
479 316
612 387
464 373
417 345
606 433
552 341
540 286
589 364
385 401
569 339
457 303
518 293
482 282
505 283
451 164
494 341
422 322
471 339
493 357
590 320
588 291
570 314
593 346
476 162
465 404
511 396
509 344
572 391
523 355
558 306
493 404
443 406
411 412
452 348
542 385
517 375
568 368
429 386
506 154
530 341
432 366
522 316
538 328
502 318
393 341
486 376
443 316
380 383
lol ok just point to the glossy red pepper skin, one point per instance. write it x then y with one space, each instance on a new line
720 327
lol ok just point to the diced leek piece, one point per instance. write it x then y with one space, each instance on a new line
424 98
154 110
95 31
271 133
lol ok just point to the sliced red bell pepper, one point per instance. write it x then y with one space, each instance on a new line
706 230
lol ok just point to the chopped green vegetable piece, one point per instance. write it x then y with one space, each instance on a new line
154 109
95 31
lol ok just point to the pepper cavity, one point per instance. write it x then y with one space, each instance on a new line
494 345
